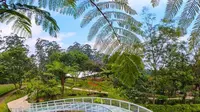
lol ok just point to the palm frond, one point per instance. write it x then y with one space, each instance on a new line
172 9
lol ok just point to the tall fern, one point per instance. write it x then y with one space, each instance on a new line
189 15
110 26
20 15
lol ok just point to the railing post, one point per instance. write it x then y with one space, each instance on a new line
48 106
78 107
101 101
110 101
129 106
92 100
85 107
120 104
138 109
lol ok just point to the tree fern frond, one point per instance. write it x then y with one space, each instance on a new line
122 63
62 6
195 36
113 47
172 9
189 13
82 7
15 13
116 17
133 26
22 28
116 5
28 2
106 30
109 14
42 18
155 2
96 27
21 24
131 37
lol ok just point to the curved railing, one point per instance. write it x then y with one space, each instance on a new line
90 104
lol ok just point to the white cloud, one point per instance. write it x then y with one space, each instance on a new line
37 32
91 43
138 5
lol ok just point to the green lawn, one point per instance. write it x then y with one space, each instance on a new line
6 88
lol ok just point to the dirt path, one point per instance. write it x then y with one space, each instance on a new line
2 98
87 90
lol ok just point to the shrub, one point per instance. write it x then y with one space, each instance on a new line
174 108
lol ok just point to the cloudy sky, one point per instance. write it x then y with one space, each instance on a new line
70 30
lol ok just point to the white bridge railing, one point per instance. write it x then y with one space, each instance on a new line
87 104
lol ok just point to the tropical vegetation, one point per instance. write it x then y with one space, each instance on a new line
141 61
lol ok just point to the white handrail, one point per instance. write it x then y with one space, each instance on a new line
86 100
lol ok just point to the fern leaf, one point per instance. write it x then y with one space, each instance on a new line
191 9
155 2
172 9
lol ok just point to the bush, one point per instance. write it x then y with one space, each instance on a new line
174 108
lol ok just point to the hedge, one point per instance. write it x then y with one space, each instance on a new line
174 108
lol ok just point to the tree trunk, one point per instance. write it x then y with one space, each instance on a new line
154 98
184 96
15 85
63 85
20 85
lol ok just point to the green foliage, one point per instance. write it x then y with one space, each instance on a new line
16 64
98 100
6 88
20 15
174 108
126 67
111 28
39 89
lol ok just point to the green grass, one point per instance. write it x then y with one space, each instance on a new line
6 88
105 86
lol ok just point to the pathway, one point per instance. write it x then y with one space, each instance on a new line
87 90
20 103
2 98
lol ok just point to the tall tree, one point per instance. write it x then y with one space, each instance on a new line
44 49
16 63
